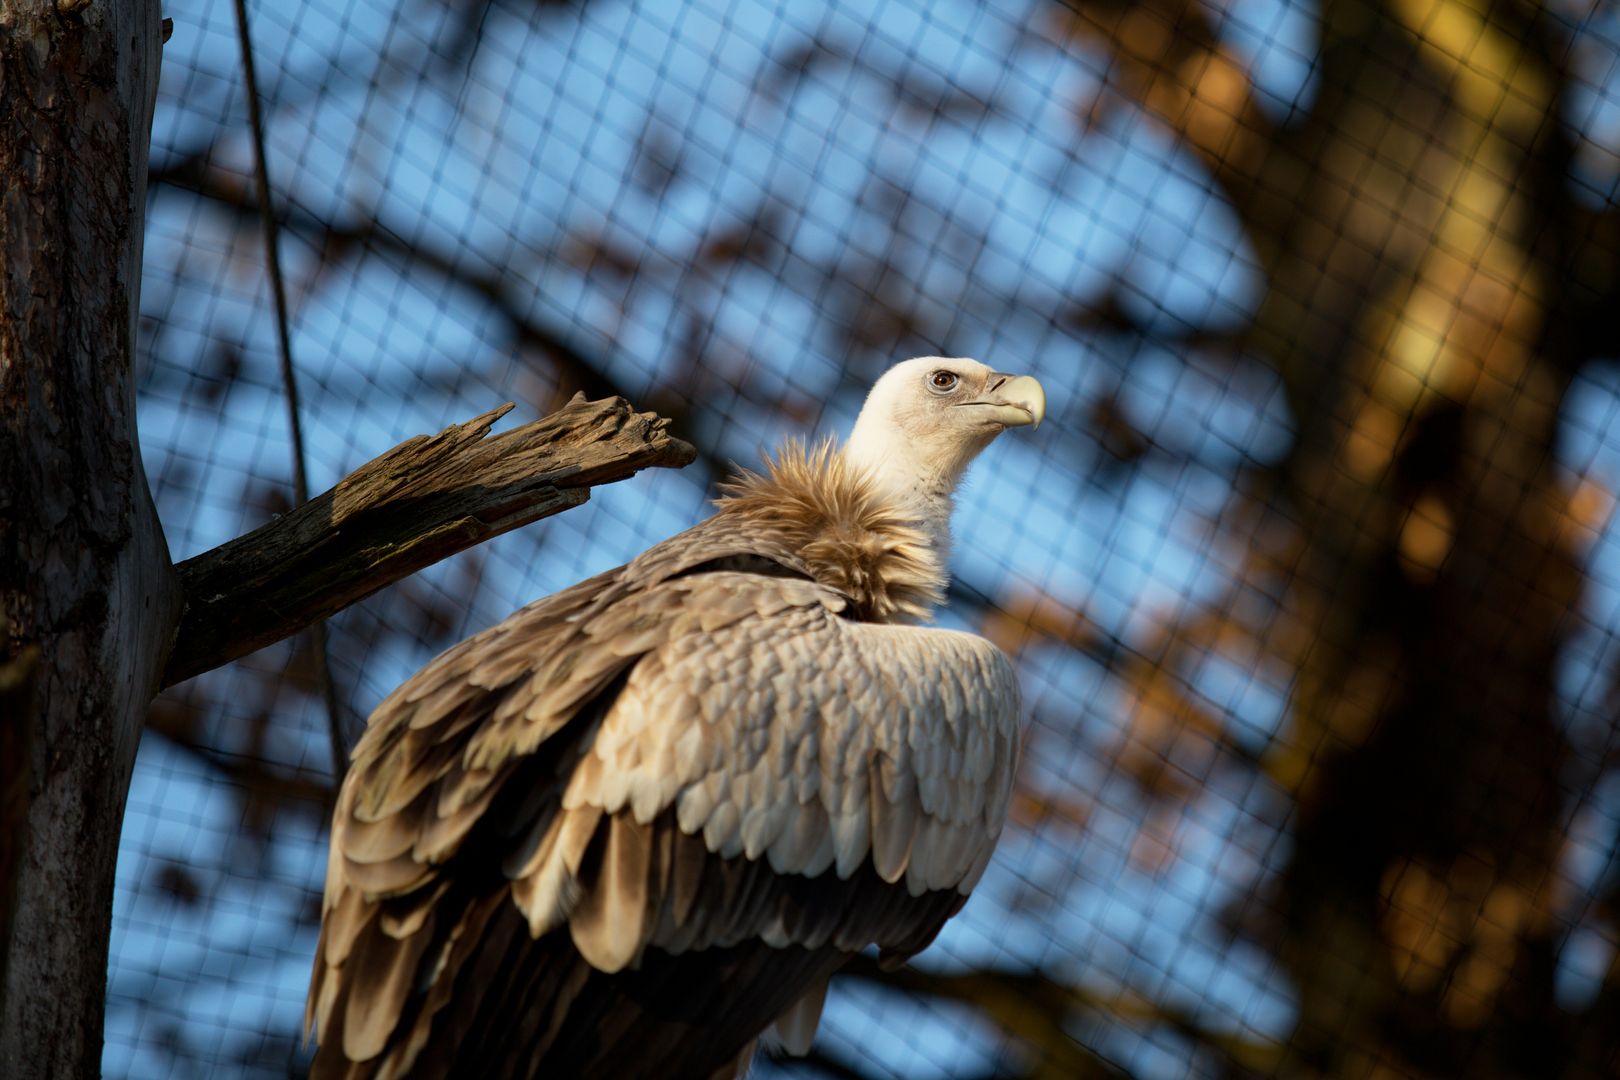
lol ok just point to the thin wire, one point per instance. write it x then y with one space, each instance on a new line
289 378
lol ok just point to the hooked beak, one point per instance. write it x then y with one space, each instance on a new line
1013 400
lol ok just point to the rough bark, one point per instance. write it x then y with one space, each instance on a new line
17 684
84 572
423 501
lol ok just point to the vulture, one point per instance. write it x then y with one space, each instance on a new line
639 822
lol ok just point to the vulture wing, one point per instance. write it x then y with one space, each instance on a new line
628 828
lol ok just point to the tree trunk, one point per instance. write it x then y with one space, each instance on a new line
84 571
90 606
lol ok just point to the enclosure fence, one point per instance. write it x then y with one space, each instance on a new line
1311 579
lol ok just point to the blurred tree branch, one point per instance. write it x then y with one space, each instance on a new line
177 718
1041 1012
819 1063
577 371
1430 289
335 240
421 502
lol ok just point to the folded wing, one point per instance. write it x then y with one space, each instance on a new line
645 817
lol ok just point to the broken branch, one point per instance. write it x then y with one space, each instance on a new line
423 501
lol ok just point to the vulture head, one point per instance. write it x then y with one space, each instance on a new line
926 420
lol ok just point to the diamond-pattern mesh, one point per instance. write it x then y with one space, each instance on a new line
1311 577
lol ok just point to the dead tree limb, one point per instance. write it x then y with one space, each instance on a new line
421 502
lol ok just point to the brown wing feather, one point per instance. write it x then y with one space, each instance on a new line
467 897
505 1004
400 811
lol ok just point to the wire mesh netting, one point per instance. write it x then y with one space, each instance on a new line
1311 579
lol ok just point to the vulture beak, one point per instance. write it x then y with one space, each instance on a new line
1013 400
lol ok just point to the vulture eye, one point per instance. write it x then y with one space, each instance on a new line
943 382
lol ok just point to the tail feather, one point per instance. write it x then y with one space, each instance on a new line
796 1028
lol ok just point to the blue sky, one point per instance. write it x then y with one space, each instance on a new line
1016 210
